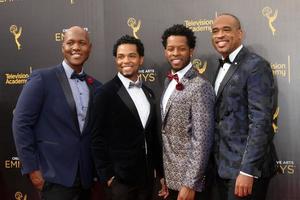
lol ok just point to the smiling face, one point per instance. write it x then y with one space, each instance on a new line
178 52
226 34
76 47
128 61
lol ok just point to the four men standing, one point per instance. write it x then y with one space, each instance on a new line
53 137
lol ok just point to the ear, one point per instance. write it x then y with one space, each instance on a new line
141 60
191 52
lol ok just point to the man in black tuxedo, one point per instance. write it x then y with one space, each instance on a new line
125 141
244 152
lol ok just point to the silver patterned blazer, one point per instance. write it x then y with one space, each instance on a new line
187 132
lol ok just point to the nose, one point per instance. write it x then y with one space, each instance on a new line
219 34
75 46
175 52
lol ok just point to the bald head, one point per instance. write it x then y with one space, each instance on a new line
236 20
76 29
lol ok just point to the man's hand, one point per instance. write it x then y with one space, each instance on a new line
243 185
109 182
186 193
37 179
163 192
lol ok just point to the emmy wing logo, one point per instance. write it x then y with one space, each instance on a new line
131 22
19 196
197 63
275 118
72 1
17 32
268 13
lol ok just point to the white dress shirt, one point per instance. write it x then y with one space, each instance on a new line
138 97
80 93
172 85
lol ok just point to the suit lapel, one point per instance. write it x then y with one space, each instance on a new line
232 70
188 75
125 97
151 102
227 77
91 96
62 78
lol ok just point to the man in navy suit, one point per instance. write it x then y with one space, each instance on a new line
125 141
52 123
244 152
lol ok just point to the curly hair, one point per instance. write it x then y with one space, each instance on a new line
179 30
127 39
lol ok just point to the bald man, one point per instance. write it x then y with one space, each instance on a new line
244 152
52 123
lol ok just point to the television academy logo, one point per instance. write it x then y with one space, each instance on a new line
201 68
19 196
17 32
268 13
135 26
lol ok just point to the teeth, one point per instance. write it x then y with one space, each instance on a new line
222 43
177 61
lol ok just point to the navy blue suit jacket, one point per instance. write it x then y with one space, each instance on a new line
46 130
244 111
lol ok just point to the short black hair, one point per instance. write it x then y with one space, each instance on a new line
179 30
127 39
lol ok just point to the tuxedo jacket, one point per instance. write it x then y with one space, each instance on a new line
244 111
46 129
122 147
187 132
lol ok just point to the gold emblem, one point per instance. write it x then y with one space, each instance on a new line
17 34
131 22
267 12
275 117
72 1
197 63
19 196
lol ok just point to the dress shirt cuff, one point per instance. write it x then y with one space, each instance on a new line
243 173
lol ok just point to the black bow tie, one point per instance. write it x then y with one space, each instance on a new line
137 84
81 77
226 60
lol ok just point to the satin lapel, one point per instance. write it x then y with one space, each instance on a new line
125 97
62 78
227 77
151 102
232 69
88 113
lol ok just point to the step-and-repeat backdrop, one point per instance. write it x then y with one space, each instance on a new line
31 35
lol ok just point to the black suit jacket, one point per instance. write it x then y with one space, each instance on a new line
244 113
120 142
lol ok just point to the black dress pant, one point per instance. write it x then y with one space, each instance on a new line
53 191
226 187
120 191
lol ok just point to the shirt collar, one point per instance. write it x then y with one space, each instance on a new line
69 70
125 81
234 53
182 72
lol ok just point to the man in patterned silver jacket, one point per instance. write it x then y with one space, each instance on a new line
187 108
